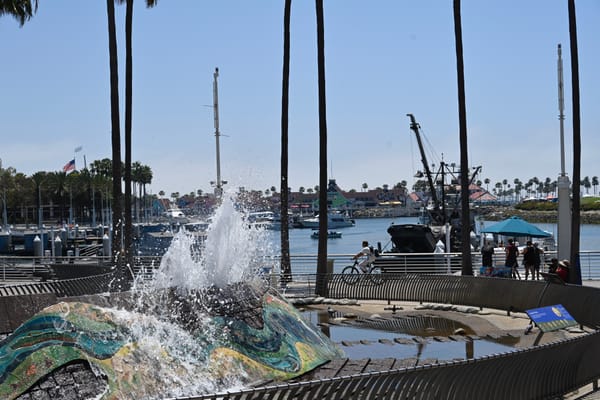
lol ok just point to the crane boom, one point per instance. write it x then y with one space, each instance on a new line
414 126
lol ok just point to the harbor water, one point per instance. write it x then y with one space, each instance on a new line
374 230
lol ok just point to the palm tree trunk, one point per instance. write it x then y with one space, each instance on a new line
321 284
128 112
467 267
116 142
575 275
286 268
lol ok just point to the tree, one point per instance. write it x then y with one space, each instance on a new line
145 179
22 10
286 268
39 178
518 188
7 179
487 182
586 184
595 183
58 186
365 186
575 277
321 284
128 248
467 268
122 273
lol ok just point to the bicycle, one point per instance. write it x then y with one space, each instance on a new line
353 273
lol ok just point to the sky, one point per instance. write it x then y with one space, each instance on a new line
384 59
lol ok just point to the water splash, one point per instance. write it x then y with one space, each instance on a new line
232 252
205 323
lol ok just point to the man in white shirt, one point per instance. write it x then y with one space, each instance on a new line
367 253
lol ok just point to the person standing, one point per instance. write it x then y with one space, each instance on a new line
537 261
512 252
529 260
487 255
367 254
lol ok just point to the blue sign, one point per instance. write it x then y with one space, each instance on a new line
551 318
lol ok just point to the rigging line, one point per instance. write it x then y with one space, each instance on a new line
433 155
412 155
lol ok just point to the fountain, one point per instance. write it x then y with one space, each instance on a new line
205 323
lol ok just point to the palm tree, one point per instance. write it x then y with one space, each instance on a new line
117 253
58 186
575 218
39 178
6 183
286 268
22 10
128 113
466 268
146 179
135 176
595 183
586 184
518 187
487 183
365 186
321 284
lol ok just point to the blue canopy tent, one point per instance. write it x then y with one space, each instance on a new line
515 226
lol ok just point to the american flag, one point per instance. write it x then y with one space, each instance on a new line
70 166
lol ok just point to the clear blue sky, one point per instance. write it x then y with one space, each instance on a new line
384 59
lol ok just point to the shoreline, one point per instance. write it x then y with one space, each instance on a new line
495 213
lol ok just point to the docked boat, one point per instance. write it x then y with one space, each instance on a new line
265 220
175 215
335 220
440 223
330 235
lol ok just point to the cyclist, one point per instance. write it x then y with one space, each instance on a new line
367 253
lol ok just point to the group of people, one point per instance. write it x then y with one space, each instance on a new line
532 260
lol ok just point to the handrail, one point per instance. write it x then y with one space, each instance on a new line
542 372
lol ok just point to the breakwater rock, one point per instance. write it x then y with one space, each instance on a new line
550 217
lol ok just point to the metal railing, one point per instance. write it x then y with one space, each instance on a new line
23 268
426 263
545 371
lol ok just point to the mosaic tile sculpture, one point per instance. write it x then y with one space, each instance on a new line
144 356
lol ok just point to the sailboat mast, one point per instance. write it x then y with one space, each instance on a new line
218 188
561 109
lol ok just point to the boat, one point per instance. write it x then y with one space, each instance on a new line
330 235
175 215
265 220
439 224
335 220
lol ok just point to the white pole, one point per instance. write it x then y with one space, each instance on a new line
218 189
448 249
564 198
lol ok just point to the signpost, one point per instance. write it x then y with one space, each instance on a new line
550 318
